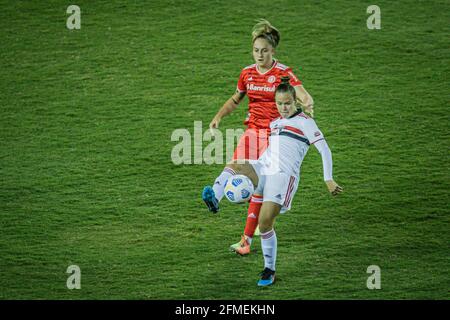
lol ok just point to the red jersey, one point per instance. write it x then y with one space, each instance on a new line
260 89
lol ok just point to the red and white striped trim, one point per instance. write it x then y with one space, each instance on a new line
293 133
257 198
294 130
267 235
290 188
263 73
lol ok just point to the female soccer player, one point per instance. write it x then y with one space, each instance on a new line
258 81
276 173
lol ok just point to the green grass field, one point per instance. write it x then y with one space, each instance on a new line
85 155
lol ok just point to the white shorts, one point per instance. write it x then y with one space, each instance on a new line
279 187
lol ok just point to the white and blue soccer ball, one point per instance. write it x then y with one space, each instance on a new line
239 189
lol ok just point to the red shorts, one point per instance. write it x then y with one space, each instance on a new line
252 144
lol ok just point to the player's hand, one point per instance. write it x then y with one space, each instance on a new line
214 125
309 110
333 187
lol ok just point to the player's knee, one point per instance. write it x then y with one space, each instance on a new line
265 224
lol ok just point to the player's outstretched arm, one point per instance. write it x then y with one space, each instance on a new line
227 108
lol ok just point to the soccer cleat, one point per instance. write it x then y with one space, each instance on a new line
242 247
209 198
267 278
233 247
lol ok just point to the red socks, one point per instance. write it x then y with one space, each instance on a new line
253 214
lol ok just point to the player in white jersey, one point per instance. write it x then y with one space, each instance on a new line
276 173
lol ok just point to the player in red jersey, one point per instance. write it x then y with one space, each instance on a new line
258 81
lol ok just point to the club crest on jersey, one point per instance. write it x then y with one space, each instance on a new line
275 131
271 79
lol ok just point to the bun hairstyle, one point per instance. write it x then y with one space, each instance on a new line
285 86
263 29
285 80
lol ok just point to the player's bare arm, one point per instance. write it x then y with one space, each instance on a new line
305 100
227 108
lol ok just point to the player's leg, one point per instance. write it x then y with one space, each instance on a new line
263 143
213 195
241 155
279 189
245 169
242 247
269 212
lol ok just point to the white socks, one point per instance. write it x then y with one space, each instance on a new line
269 248
219 183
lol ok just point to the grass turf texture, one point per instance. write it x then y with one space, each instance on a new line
87 178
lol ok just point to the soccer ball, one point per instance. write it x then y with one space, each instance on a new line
239 188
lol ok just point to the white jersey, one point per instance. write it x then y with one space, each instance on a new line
289 142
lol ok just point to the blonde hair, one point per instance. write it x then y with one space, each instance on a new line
263 29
